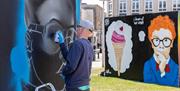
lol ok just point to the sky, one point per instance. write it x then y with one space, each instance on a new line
100 3
93 2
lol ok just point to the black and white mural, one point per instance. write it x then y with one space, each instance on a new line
30 59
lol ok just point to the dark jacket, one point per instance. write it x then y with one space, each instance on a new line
79 60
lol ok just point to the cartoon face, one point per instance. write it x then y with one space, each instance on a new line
162 41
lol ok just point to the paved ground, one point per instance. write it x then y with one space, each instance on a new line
98 62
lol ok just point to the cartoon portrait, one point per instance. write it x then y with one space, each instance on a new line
119 45
161 68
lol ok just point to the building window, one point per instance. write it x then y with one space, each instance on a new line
162 5
110 8
122 7
135 7
176 5
148 6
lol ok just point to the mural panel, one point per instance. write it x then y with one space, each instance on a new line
143 48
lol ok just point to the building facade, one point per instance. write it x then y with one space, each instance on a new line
94 13
133 7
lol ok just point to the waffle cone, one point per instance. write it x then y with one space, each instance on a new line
118 49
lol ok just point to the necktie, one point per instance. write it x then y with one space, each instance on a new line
167 68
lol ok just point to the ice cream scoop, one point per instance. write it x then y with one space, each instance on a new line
117 38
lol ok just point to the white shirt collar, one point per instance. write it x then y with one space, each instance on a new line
155 57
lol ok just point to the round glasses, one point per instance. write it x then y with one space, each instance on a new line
166 42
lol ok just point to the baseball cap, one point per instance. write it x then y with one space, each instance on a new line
86 24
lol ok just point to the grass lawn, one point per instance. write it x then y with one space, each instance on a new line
99 83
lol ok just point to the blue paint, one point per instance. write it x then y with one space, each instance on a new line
78 3
19 58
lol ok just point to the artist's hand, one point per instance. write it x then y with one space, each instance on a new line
61 37
162 61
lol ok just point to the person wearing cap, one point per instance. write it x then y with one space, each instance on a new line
79 58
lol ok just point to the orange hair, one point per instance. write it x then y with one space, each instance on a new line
161 22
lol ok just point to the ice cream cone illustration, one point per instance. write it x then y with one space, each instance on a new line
118 42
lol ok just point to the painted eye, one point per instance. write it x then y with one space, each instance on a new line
167 42
156 42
